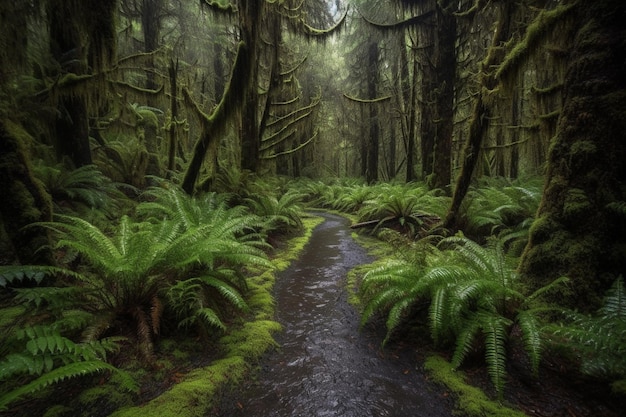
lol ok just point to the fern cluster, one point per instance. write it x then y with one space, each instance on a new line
39 339
500 207
86 186
473 298
179 259
146 267
599 339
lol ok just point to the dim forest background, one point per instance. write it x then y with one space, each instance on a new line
158 159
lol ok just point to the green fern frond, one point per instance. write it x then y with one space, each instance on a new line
614 305
495 333
396 315
229 293
54 298
531 337
28 274
210 318
545 289
618 207
438 314
381 302
465 342
63 373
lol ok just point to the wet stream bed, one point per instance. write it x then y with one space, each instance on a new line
325 366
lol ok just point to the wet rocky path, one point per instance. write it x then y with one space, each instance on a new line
325 366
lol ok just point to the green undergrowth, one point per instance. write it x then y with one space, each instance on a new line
242 346
472 401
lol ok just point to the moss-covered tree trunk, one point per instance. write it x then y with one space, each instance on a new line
446 78
250 15
24 200
373 137
481 115
580 230
68 46
151 11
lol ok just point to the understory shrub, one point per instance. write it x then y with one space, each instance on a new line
474 299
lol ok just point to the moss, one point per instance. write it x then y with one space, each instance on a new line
252 340
195 394
58 411
471 400
535 32
576 206
242 346
542 229
619 387
147 118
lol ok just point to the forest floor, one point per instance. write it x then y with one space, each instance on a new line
558 391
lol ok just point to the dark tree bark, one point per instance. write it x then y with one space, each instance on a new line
151 25
67 45
446 77
24 201
580 230
214 125
481 115
250 15
173 142
373 139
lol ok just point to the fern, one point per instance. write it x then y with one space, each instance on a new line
495 329
601 338
63 373
85 185
281 214
27 274
473 295
41 356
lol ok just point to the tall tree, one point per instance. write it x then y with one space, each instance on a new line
580 230
481 113
82 42
244 82
24 200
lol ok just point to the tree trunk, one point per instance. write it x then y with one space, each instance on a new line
250 140
481 114
580 229
173 142
68 49
215 125
24 200
373 140
151 25
446 78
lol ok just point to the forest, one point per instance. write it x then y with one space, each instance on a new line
162 160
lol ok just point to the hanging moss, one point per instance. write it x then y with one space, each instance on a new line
535 33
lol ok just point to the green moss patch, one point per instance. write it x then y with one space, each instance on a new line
472 401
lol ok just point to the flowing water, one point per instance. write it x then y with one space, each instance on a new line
325 366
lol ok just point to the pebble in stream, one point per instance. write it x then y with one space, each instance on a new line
325 366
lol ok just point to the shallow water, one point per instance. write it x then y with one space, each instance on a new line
325 365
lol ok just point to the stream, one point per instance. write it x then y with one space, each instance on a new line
325 366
